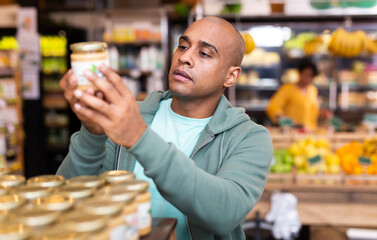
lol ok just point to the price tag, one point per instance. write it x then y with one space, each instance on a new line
370 118
336 123
314 160
285 122
365 161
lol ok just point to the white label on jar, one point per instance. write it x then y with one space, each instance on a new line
144 215
79 68
118 232
132 232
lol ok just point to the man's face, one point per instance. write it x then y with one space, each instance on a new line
199 64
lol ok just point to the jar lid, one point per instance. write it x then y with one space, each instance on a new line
11 180
60 233
117 176
135 185
14 230
86 181
76 192
101 206
10 202
3 171
32 192
3 215
3 191
88 46
118 194
80 221
35 217
54 202
46 181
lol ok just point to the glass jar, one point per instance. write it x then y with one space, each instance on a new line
103 206
116 176
14 230
11 202
31 192
3 191
60 233
76 192
88 56
9 181
143 201
80 221
55 202
50 181
129 212
37 219
86 181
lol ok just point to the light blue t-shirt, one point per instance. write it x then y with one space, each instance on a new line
183 132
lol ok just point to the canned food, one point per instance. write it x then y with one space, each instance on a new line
31 192
14 230
55 202
11 202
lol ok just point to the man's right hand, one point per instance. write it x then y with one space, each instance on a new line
69 84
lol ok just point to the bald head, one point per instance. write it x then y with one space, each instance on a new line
235 46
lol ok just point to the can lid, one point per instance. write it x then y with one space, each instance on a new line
88 46
46 181
35 217
86 181
101 206
10 202
55 202
117 176
14 230
80 221
76 192
11 180
118 194
31 192
135 185
3 215
3 171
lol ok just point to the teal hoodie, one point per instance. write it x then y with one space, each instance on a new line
215 188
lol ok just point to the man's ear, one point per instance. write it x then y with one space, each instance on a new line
233 74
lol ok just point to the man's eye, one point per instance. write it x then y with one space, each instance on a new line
182 47
203 54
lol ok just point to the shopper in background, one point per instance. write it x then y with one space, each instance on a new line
206 161
297 101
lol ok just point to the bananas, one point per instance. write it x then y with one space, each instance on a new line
350 44
249 42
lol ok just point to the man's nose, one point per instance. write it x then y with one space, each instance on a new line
186 58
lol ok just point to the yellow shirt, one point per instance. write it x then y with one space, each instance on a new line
290 101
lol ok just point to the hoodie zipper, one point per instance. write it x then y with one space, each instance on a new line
192 155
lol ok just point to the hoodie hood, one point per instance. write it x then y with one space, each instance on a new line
224 118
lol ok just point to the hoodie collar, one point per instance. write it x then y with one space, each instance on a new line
224 118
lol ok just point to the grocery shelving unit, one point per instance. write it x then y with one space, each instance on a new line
11 117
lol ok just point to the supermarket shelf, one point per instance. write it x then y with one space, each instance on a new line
319 188
134 44
356 109
256 67
5 71
128 71
256 87
356 87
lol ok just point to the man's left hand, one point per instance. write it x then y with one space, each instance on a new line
118 114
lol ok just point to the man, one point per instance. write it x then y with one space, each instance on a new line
208 160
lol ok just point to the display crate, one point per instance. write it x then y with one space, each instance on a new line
319 179
360 180
280 178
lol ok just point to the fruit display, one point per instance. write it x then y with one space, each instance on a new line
314 156
283 161
357 159
249 42
350 44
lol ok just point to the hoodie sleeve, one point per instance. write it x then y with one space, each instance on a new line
88 155
218 202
